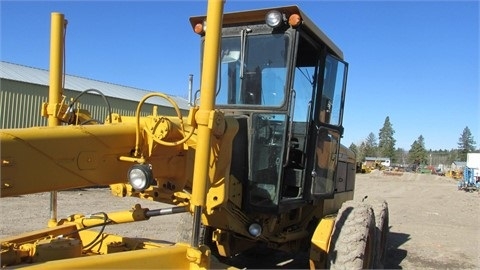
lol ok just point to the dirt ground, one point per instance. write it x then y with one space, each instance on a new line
432 224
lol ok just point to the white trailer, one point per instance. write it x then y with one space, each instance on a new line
473 162
471 173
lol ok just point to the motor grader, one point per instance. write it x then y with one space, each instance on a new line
257 162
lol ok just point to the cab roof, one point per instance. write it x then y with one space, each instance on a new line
258 15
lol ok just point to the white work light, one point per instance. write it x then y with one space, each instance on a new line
274 18
140 176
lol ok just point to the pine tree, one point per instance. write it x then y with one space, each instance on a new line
386 142
466 144
417 153
371 146
354 148
361 152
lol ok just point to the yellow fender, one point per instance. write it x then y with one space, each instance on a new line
321 243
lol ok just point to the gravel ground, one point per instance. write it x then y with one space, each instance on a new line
432 224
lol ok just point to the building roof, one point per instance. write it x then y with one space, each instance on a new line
38 76
460 163
376 158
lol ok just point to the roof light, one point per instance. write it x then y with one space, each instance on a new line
200 28
274 18
294 20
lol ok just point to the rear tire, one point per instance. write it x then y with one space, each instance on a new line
380 209
353 239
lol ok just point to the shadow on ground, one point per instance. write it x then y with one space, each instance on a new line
395 255
264 258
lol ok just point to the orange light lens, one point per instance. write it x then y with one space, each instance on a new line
294 20
198 28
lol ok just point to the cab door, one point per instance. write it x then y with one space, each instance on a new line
327 128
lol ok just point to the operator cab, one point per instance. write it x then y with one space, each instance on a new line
284 81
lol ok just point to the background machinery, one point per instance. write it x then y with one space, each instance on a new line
471 173
258 161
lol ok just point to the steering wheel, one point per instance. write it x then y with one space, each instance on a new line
150 132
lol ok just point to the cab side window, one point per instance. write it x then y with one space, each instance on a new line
332 94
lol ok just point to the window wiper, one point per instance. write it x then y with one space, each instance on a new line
243 43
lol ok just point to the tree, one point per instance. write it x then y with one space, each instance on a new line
417 153
354 149
466 144
371 146
361 152
401 156
386 142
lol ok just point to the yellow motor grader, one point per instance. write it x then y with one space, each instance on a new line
257 162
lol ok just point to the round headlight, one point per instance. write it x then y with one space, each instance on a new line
140 176
255 229
274 18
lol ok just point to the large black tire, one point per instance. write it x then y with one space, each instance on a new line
380 209
353 239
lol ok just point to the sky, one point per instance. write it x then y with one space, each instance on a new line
416 62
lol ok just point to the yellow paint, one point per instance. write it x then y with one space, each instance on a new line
321 242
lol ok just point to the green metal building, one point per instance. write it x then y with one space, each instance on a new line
24 89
